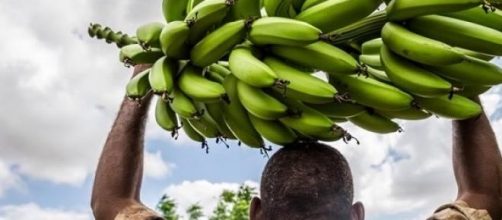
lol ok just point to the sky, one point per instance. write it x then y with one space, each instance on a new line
60 91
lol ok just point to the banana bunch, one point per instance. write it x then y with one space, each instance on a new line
286 71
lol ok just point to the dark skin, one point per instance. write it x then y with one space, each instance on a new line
477 164
120 169
476 159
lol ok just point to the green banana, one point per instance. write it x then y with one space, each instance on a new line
139 86
134 54
165 116
274 131
192 133
249 69
148 34
455 107
162 76
412 113
309 3
468 90
418 48
183 106
217 73
334 14
372 47
479 16
259 103
371 60
215 110
193 84
218 43
475 54
220 69
173 40
213 76
339 109
298 4
191 5
339 120
399 10
335 134
244 9
205 16
473 90
237 118
174 10
319 55
372 93
309 122
283 31
472 71
375 123
302 86
459 33
379 75
278 8
412 78
292 11
204 125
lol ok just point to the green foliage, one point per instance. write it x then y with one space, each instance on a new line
232 205
167 207
194 212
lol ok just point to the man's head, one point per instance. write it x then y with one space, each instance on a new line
306 181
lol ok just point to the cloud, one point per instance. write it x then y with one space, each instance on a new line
8 179
31 211
155 166
61 89
408 172
203 192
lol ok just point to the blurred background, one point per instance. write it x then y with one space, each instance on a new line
59 94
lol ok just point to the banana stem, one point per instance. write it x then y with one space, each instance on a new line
365 29
106 33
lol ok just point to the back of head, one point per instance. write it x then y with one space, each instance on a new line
307 181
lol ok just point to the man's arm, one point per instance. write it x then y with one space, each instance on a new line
119 174
478 165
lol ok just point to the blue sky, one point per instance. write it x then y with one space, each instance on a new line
60 92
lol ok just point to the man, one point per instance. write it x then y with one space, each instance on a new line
305 181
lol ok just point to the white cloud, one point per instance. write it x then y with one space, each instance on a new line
61 89
155 166
33 211
8 179
420 180
202 192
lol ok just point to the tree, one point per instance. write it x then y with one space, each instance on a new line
167 206
194 212
232 205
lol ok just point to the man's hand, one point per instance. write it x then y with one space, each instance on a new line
478 165
119 174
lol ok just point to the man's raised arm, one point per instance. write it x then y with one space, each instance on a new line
478 165
119 174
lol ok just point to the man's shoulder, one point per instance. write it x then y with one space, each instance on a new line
137 212
459 211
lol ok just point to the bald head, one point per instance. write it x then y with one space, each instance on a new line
306 181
